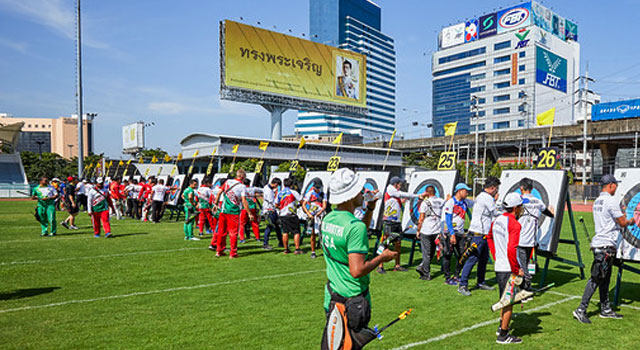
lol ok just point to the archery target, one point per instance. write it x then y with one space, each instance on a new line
174 195
279 175
376 180
217 178
314 177
442 181
629 193
550 186
125 178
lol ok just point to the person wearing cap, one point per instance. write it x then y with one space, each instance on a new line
393 201
455 211
287 203
46 196
314 205
346 246
532 208
146 197
98 208
609 220
484 211
55 182
71 204
429 227
502 240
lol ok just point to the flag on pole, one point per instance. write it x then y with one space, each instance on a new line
180 156
110 163
234 150
302 142
196 153
215 149
392 136
120 163
450 129
140 160
547 117
263 146
154 159
338 140
167 159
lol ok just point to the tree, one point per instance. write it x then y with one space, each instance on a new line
148 154
299 174
45 164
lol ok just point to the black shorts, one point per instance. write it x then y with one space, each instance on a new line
71 209
503 279
392 227
290 224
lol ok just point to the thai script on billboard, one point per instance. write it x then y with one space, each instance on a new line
514 18
616 110
453 35
488 25
551 70
269 62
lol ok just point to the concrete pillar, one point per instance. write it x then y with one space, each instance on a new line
608 151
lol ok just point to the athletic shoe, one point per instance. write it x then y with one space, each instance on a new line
485 286
297 252
581 316
218 255
52 235
400 269
267 247
43 235
451 282
212 248
74 227
498 331
313 255
286 251
97 235
381 270
420 271
464 291
235 256
65 225
426 277
610 314
108 235
242 241
200 234
194 238
508 339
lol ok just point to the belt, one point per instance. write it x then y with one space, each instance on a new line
476 234
607 249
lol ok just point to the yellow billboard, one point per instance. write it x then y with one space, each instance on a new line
274 63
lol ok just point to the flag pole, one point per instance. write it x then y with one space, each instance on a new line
550 133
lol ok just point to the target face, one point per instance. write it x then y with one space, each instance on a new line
313 177
629 193
376 180
217 178
174 195
442 181
550 186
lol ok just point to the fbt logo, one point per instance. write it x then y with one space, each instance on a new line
552 81
522 36
513 18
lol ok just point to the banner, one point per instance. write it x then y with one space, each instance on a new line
266 61
488 25
514 17
615 110
557 26
471 30
551 70
570 30
541 16
451 36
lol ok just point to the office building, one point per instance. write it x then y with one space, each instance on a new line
497 71
355 25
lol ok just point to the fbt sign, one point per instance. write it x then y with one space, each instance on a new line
551 70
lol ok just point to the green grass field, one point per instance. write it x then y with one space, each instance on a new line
149 289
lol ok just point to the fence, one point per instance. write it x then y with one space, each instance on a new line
14 190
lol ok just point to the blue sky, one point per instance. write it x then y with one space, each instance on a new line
157 61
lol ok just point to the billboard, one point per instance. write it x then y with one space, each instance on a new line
453 35
514 17
278 65
570 30
557 26
541 16
471 30
615 110
133 136
488 25
551 70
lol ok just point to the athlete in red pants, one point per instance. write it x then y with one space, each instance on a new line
233 195
101 216
98 208
227 225
255 224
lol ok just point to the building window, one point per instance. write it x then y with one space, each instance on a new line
497 73
460 69
499 111
521 94
35 125
522 54
482 100
501 98
521 123
501 125
501 59
502 85
462 55
472 128
29 125
521 81
480 127
521 108
477 77
478 88
481 114
521 67
502 45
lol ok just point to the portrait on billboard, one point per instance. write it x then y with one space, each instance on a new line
347 72
550 187
557 26
442 181
629 194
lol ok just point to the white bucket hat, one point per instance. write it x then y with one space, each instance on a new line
512 200
344 185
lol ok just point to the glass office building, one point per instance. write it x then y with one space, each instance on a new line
355 25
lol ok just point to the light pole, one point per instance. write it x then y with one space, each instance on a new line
40 143
418 124
79 91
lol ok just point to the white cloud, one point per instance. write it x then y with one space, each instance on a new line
18 46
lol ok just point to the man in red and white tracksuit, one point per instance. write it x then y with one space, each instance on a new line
98 208
145 197
116 197
253 208
233 195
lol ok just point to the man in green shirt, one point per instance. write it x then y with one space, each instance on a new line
189 210
46 196
346 248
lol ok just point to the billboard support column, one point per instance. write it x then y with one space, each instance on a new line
276 120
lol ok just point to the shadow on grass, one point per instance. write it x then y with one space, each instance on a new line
26 293
116 235
527 324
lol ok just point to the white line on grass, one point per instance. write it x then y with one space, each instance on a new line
175 289
478 325
97 256
579 296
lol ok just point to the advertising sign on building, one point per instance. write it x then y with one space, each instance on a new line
453 35
571 30
616 110
551 70
541 16
133 137
557 26
271 63
514 18
471 30
488 25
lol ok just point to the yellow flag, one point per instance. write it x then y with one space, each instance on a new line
180 156
391 139
129 161
154 159
450 129
215 149
140 160
110 164
90 165
338 139
167 159
546 118
120 163
302 142
196 154
235 149
263 146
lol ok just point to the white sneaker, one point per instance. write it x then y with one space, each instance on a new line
194 239
74 227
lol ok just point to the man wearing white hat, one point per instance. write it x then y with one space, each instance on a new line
346 246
